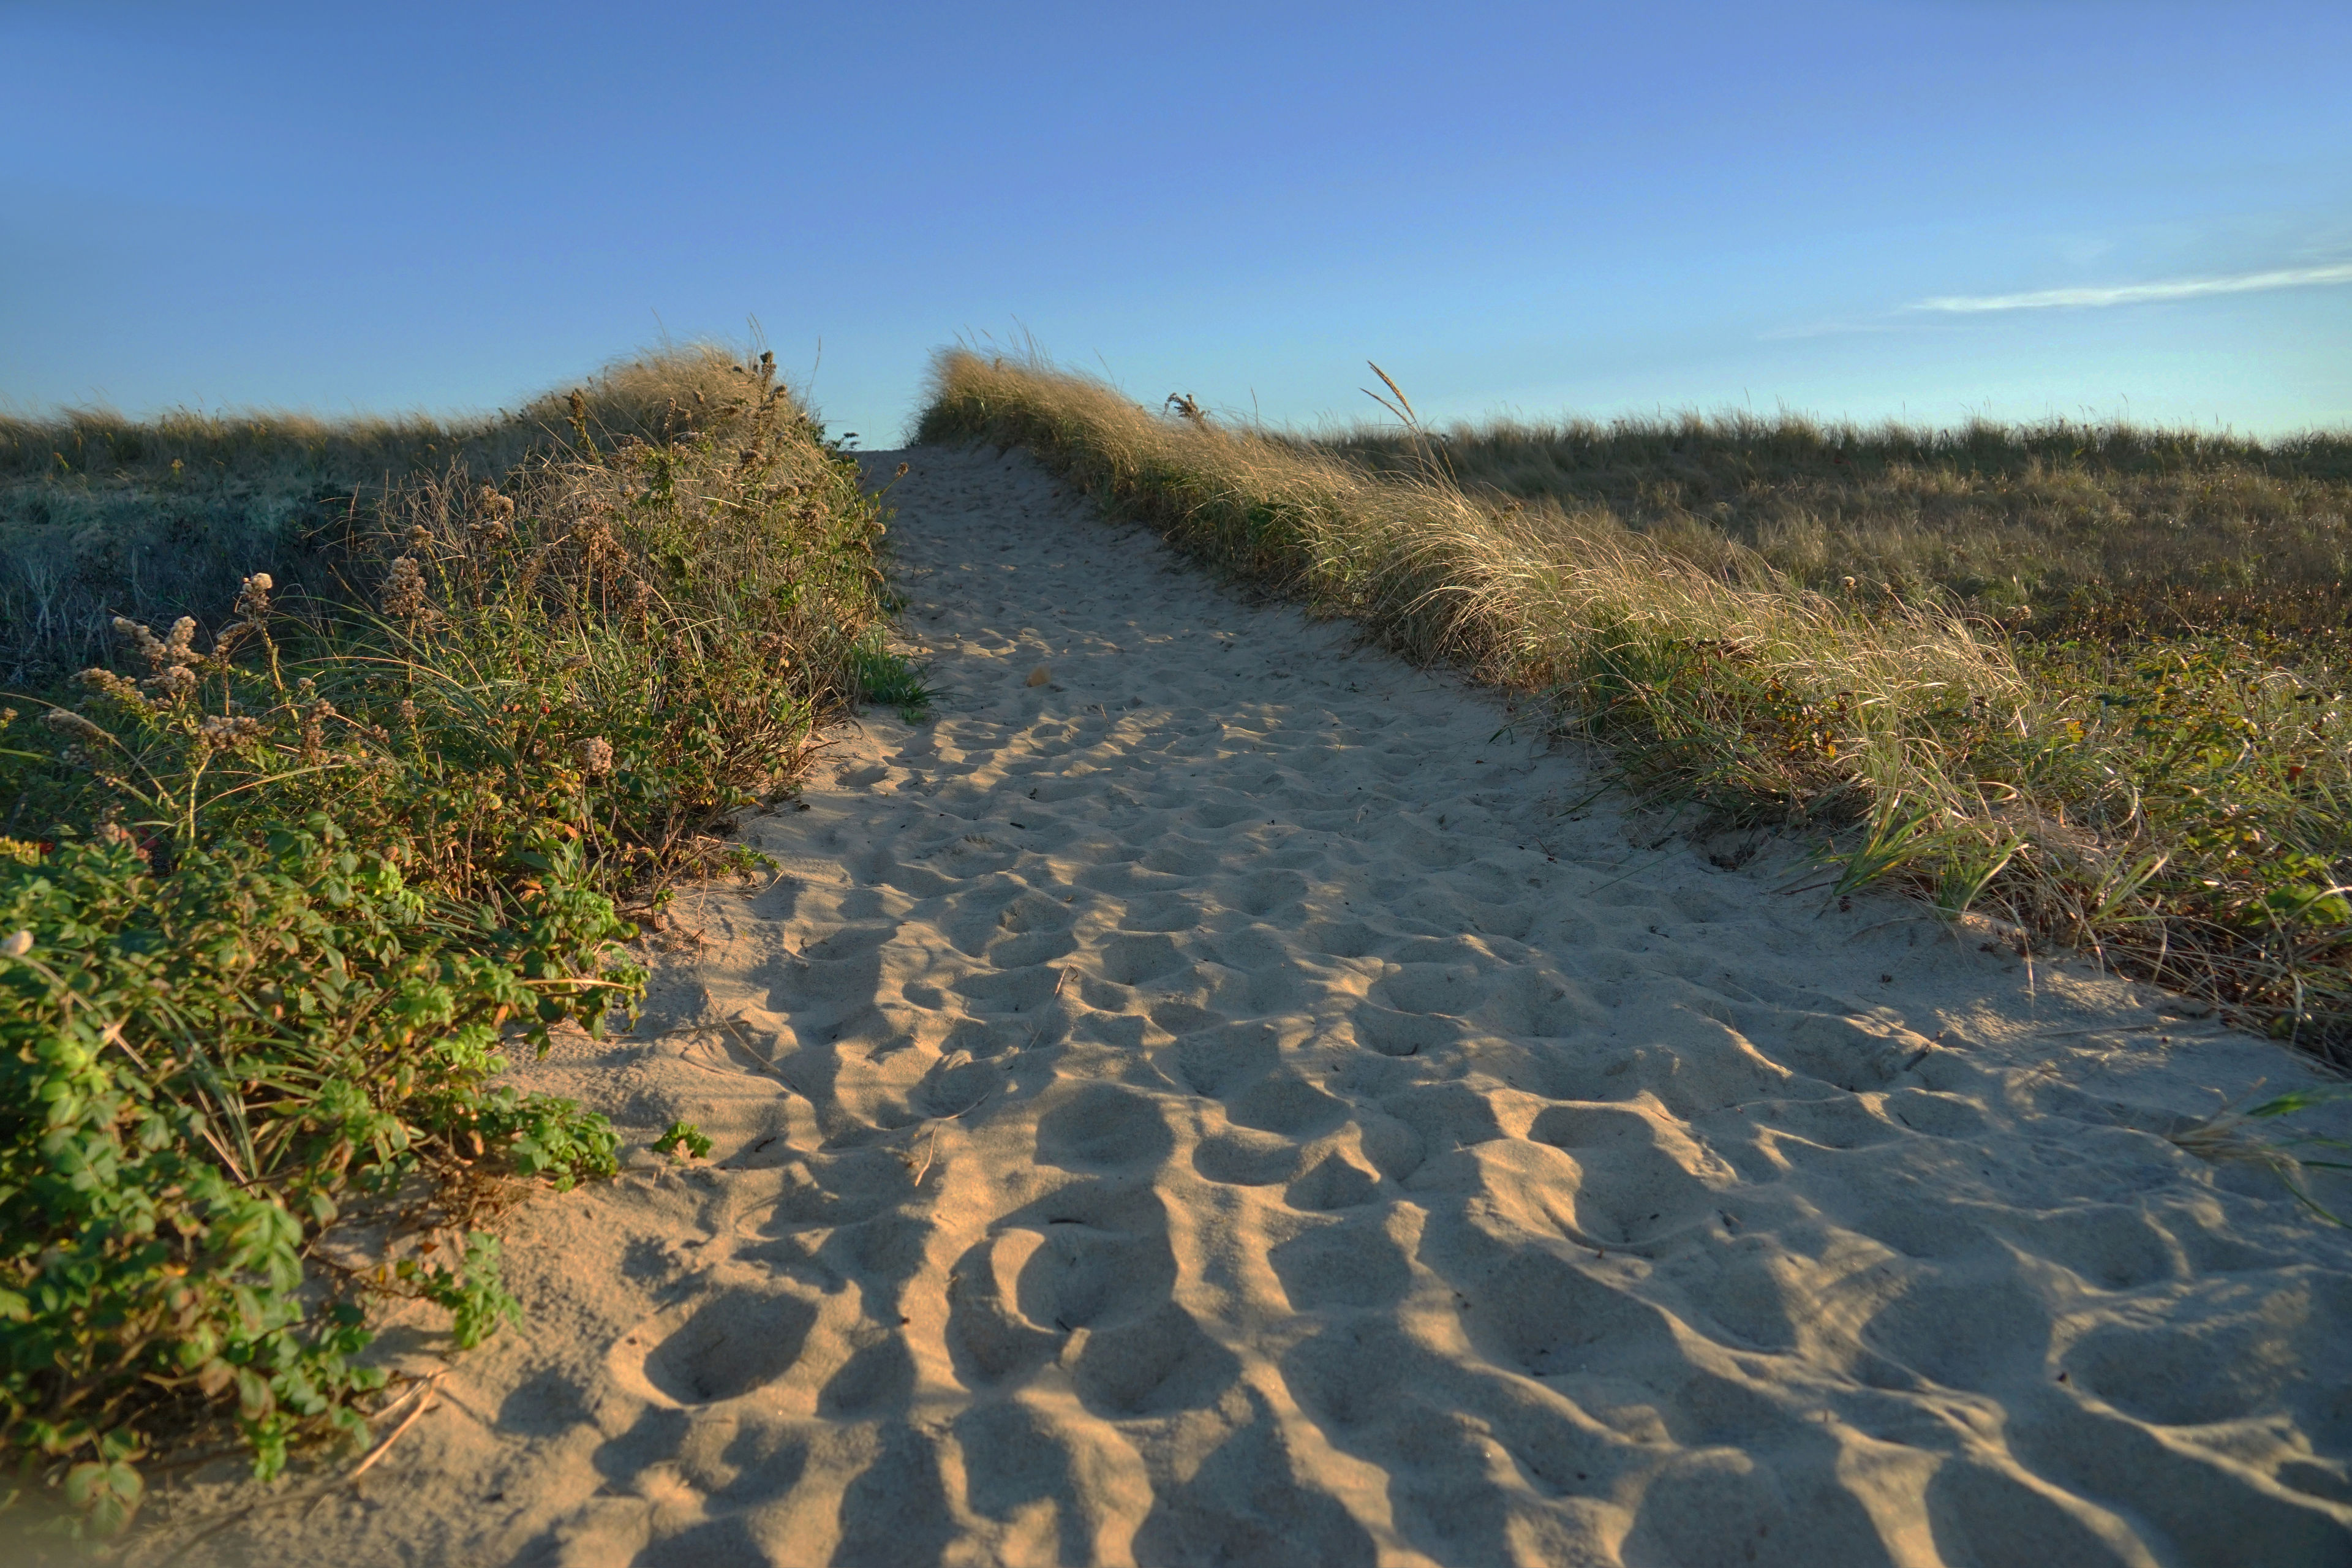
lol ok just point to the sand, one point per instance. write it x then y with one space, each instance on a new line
1233 1098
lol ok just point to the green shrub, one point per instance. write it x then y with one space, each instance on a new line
102 516
199 1071
288 891
626 644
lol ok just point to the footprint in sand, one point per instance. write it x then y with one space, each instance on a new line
1197 1099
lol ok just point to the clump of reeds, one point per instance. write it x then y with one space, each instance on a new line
2189 825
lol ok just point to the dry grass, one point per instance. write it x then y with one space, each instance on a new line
676 574
2178 808
102 516
2004 516
1442 572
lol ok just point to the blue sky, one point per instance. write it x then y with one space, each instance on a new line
1924 208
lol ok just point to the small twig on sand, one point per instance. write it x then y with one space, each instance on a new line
1061 978
381 1449
924 1165
320 1494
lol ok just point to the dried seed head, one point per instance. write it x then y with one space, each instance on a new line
220 729
151 647
596 756
172 682
493 516
403 597
314 726
70 723
252 600
594 540
114 686
177 650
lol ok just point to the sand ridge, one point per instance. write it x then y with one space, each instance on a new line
1241 1101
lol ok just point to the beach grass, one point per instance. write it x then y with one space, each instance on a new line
2088 682
2046 527
281 880
102 516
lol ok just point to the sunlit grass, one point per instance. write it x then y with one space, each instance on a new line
2021 520
2047 675
103 516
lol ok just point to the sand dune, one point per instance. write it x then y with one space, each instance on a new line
1237 1101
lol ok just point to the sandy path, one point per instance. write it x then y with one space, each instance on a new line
1219 1107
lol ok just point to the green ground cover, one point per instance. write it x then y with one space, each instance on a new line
285 882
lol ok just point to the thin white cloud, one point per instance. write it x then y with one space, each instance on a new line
2139 293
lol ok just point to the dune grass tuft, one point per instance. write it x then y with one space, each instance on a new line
2174 802
103 516
893 680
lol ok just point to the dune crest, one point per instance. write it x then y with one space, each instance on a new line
1227 1097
